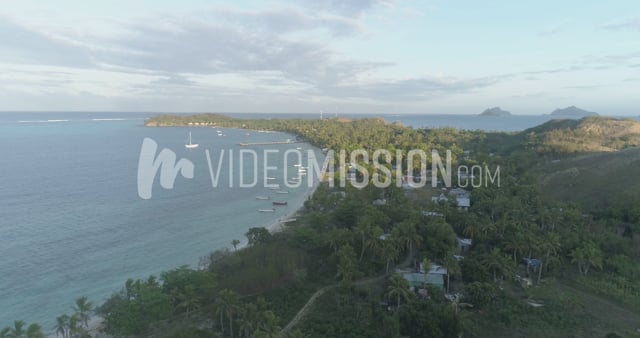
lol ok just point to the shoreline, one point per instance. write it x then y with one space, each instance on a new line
279 224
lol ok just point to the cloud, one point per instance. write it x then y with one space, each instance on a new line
265 54
195 47
421 88
21 44
352 8
243 42
556 28
586 87
288 20
622 24
536 95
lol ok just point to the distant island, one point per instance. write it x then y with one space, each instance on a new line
495 111
573 111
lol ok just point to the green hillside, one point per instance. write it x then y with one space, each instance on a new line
590 134
594 179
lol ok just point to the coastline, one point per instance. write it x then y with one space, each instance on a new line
279 224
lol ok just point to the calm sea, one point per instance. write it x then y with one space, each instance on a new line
71 220
72 223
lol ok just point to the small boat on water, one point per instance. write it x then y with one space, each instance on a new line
191 145
263 197
270 178
279 202
266 210
297 165
282 192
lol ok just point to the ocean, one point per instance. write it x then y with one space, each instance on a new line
72 222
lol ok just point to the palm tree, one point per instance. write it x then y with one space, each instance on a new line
389 251
407 234
188 300
516 242
219 305
497 262
587 255
374 242
152 282
363 230
34 331
17 331
548 246
269 327
248 319
399 288
346 264
338 237
75 330
426 267
62 325
452 266
235 243
229 305
82 308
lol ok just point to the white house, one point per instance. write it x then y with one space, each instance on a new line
439 199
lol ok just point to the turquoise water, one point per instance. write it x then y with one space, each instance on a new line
71 220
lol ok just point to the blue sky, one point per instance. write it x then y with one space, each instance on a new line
360 56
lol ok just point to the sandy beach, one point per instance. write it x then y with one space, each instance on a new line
278 225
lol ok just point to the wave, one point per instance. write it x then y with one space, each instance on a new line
118 119
42 121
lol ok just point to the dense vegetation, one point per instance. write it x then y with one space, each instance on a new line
342 251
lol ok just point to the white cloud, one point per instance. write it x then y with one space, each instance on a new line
621 24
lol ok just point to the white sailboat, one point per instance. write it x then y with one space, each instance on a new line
191 145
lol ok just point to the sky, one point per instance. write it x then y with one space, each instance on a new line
307 56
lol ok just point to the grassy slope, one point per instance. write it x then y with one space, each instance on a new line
590 134
593 179
568 312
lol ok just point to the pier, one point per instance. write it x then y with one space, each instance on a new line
247 144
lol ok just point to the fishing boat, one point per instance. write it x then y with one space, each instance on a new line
263 197
191 145
266 210
279 202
